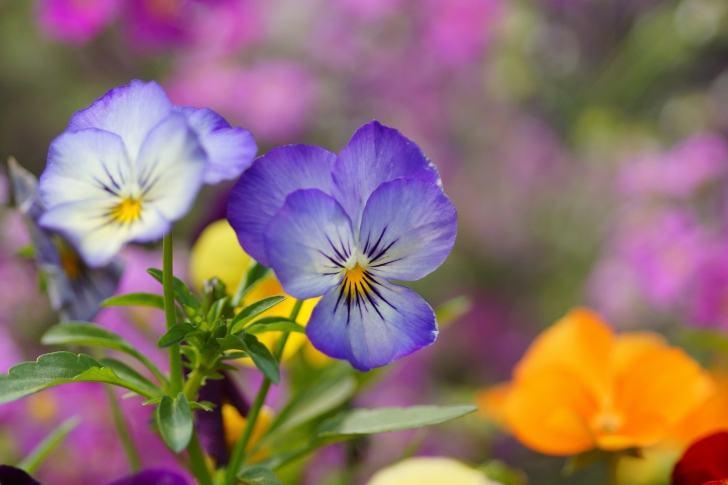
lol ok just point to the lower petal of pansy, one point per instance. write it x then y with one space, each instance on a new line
263 188
229 150
153 477
308 243
371 323
95 234
408 228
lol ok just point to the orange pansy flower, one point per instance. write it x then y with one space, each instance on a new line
579 386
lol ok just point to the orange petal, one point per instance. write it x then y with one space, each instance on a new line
662 385
550 411
629 346
580 342
491 402
709 418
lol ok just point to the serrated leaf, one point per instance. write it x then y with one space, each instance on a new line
259 353
259 475
128 374
253 310
315 400
55 369
135 299
182 293
175 334
357 422
174 418
282 326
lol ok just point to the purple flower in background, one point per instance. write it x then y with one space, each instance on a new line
74 289
678 173
708 296
131 164
14 476
74 21
343 227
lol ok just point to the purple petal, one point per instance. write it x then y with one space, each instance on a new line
153 477
263 188
408 228
130 111
372 328
308 243
15 476
374 155
229 150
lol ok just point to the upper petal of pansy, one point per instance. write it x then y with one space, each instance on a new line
308 243
374 155
96 236
263 188
170 167
82 165
408 228
129 111
229 150
372 324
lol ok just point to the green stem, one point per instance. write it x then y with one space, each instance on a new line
198 462
123 429
193 384
237 457
613 469
175 359
39 454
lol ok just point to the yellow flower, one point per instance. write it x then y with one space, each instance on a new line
234 425
580 386
217 253
429 471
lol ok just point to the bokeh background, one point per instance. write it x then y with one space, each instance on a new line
582 141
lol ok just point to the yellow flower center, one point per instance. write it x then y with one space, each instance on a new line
128 211
355 275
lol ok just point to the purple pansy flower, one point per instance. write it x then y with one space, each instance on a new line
74 289
343 227
131 164
16 476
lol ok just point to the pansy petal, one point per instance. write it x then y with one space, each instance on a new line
96 237
308 243
170 167
263 188
229 150
153 477
82 165
374 155
129 111
373 328
408 228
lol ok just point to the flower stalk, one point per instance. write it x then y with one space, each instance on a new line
175 359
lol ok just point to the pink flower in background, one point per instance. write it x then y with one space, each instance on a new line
75 21
707 303
275 100
458 31
678 173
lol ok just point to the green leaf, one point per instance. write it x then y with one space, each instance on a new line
452 310
81 333
357 422
175 422
39 454
204 405
182 293
259 475
128 374
175 334
280 326
216 310
55 369
259 353
135 299
314 400
253 310
89 334
27 252
256 272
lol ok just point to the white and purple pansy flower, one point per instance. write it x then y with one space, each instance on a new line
344 227
131 164
75 290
